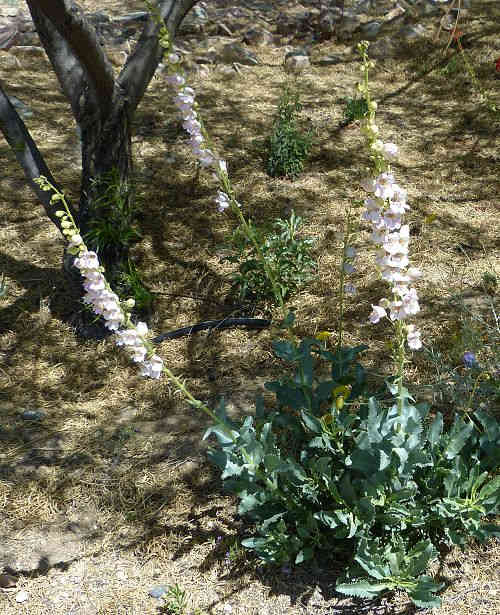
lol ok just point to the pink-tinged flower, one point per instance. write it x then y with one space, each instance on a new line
397 242
222 201
392 220
384 186
192 126
413 337
152 367
377 313
175 80
173 58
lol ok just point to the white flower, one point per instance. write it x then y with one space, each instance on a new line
384 186
175 80
389 150
413 337
222 201
173 58
377 313
350 289
152 367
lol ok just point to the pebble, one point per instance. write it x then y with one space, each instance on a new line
22 596
158 592
32 415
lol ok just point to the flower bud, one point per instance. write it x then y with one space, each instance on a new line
130 303
60 213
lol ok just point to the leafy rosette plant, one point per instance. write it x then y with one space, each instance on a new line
329 472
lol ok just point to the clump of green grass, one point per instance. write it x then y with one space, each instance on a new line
288 145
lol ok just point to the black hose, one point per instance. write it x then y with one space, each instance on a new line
225 323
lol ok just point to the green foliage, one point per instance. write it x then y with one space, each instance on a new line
112 216
360 480
288 146
175 600
355 109
134 286
287 257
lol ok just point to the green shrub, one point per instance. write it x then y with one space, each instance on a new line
287 256
288 146
333 473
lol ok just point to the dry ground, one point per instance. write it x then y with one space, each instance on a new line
110 494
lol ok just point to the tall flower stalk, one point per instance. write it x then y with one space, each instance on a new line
202 147
384 211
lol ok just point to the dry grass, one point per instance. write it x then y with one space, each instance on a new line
120 456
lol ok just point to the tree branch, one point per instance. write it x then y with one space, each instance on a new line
27 154
143 61
80 38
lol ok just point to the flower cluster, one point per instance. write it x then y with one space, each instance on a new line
385 209
101 298
184 100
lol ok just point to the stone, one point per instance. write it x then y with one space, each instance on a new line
297 64
257 37
158 592
22 596
195 21
137 16
330 60
297 51
370 30
234 52
32 415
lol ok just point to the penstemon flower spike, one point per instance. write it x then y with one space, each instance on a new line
99 295
385 208
202 148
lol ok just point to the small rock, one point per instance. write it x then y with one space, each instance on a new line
140 16
233 52
22 596
330 60
32 415
297 64
7 581
370 30
298 51
158 592
257 36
